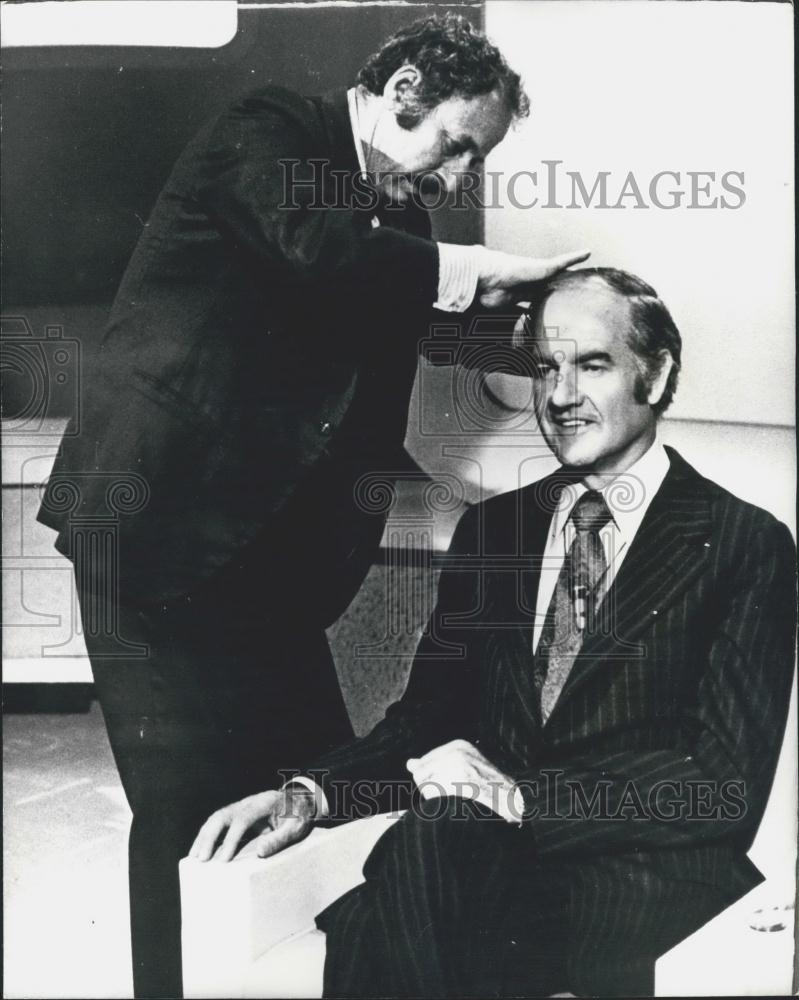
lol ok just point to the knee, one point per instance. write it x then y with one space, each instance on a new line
430 830
450 818
441 812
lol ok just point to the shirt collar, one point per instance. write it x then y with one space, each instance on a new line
628 495
355 122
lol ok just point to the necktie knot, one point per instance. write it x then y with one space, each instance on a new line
590 513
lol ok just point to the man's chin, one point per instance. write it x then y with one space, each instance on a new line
577 456
576 465
572 452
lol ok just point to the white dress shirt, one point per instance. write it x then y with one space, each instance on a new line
628 497
458 266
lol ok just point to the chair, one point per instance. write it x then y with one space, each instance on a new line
248 926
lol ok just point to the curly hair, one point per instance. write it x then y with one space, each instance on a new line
652 329
454 59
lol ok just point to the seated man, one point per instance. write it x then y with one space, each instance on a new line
595 712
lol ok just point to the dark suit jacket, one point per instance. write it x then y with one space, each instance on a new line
250 345
690 687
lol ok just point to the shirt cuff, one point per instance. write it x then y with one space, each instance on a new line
322 808
518 806
513 807
458 272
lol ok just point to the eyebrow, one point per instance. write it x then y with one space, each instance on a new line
547 358
594 356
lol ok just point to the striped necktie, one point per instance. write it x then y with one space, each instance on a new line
574 602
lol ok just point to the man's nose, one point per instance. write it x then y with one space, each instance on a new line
565 391
452 171
450 177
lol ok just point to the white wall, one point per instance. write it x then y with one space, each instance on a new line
640 87
645 87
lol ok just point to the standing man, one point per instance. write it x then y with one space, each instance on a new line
595 714
258 360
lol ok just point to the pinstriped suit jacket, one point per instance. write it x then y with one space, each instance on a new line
651 775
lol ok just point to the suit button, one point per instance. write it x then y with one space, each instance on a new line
324 427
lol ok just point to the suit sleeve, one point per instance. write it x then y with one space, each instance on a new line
715 783
440 702
256 181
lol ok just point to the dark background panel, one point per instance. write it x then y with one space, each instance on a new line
90 136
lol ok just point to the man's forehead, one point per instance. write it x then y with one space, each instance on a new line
586 313
484 117
479 106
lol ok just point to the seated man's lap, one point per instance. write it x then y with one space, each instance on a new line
459 890
454 889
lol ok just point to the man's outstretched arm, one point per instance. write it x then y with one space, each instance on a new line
261 182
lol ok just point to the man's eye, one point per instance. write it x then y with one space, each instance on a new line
593 368
451 147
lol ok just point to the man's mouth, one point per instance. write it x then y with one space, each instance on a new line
429 184
574 424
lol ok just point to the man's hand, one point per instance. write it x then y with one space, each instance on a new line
505 278
279 819
458 768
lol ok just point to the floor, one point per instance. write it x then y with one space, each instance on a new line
65 824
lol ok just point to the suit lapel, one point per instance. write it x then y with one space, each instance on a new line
537 505
335 113
526 539
668 552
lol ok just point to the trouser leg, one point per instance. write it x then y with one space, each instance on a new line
223 698
452 906
156 845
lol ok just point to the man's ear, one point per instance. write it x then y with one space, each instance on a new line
658 386
400 86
